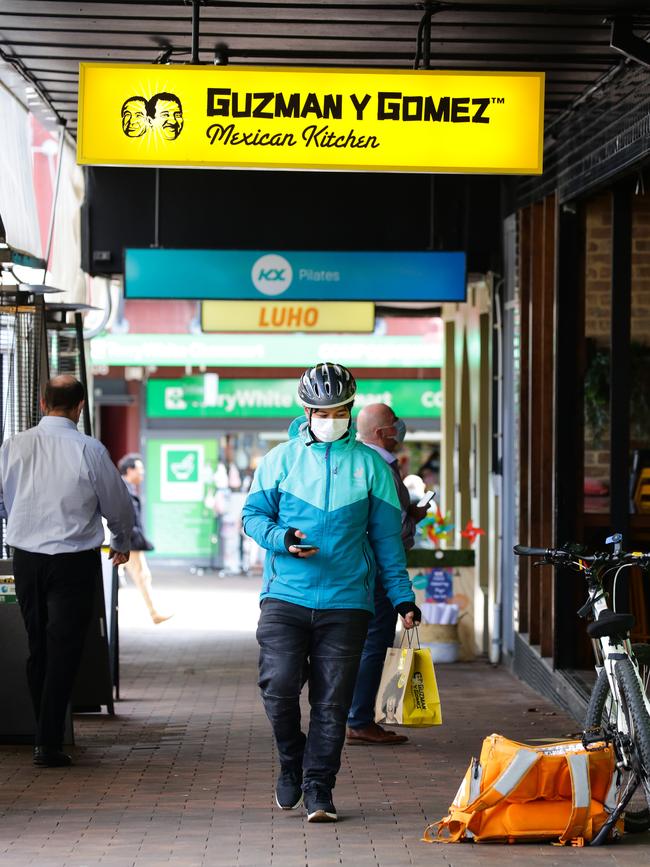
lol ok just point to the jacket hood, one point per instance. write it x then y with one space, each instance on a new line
300 429
296 425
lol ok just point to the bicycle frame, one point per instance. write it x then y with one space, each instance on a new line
609 651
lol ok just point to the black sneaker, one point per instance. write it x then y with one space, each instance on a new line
319 805
49 757
288 791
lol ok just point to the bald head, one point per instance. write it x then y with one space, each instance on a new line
374 422
63 395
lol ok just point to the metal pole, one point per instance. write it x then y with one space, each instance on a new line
619 405
50 234
156 213
195 31
426 38
79 326
426 64
569 437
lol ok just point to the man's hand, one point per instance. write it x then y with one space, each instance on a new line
409 621
410 614
296 551
418 513
118 557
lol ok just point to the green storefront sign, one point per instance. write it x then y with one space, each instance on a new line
210 397
179 477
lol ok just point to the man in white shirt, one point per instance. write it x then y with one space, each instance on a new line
55 485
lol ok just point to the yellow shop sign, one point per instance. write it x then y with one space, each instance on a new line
328 316
287 117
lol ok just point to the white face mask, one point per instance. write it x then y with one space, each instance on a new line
327 430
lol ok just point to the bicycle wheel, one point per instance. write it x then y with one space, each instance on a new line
638 719
601 711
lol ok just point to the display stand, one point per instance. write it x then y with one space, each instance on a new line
98 673
464 589
17 721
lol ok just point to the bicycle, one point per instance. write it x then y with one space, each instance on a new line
619 709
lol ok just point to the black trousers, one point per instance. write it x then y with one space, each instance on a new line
381 634
322 647
55 593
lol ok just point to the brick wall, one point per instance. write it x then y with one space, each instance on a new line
641 269
598 232
597 293
598 274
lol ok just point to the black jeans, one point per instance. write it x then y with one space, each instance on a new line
56 594
323 648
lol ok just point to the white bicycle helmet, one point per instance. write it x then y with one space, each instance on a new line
326 386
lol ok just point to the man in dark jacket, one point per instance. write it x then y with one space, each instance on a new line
380 429
131 469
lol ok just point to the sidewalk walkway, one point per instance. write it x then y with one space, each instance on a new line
184 773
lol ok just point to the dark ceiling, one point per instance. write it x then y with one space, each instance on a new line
568 39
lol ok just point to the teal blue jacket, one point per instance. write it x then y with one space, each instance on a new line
342 496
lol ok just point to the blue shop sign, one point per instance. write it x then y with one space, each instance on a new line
294 276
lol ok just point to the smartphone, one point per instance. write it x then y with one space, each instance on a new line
303 547
426 499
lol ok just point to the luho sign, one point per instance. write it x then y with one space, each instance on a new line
280 117
274 316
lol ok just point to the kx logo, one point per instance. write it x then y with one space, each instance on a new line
271 274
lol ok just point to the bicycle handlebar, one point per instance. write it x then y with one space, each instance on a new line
556 555
525 551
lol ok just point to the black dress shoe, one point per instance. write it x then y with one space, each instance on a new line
46 757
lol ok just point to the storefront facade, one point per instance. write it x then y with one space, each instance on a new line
202 428
577 319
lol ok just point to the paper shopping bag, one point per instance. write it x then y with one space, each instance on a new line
389 704
421 704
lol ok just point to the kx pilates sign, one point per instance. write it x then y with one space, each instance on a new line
295 275
361 119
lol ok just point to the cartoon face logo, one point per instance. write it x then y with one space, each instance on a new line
165 114
134 117
162 115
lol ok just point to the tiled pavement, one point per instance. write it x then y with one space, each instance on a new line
184 773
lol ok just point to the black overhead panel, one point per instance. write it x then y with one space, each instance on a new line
602 135
568 39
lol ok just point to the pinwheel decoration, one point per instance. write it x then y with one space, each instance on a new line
437 527
471 532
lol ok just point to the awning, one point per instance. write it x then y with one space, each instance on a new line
18 211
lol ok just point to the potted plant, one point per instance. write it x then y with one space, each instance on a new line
596 393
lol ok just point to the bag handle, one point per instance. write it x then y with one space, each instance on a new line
580 798
406 634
